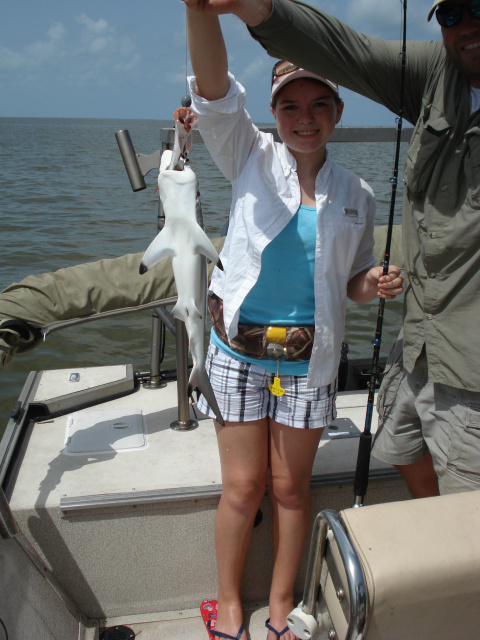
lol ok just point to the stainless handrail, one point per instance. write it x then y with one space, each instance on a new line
72 322
329 520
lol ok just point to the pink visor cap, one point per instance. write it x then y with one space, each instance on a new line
282 80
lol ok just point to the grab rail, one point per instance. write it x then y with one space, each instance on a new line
340 134
312 616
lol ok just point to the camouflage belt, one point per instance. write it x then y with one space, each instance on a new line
252 340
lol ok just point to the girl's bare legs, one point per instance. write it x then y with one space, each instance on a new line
243 452
292 453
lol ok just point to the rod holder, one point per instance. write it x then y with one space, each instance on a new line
183 423
130 160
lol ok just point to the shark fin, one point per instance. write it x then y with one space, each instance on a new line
183 311
161 247
199 382
201 243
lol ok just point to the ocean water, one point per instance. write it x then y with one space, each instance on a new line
65 199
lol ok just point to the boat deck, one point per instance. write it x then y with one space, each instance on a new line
120 507
107 459
188 625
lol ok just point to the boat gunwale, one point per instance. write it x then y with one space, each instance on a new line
73 504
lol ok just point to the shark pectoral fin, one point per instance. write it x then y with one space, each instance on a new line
202 244
199 382
161 247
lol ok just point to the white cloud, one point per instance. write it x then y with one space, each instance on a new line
379 16
35 54
385 18
93 51
99 27
259 69
10 60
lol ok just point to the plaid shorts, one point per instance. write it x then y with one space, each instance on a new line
242 394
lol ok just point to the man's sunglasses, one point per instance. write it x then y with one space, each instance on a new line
449 15
282 67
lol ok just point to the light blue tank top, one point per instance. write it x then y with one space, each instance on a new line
284 292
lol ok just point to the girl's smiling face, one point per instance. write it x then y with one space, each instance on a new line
306 112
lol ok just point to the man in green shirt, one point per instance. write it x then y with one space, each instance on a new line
430 404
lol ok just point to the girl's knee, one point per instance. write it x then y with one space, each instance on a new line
290 494
243 494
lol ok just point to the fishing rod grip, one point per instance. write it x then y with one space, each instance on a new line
360 483
130 160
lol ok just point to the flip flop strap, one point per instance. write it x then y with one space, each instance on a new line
225 635
269 626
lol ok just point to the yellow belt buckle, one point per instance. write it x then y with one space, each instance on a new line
277 335
276 339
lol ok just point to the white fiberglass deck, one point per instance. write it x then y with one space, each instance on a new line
165 460
128 531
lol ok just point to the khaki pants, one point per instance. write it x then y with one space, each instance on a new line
417 417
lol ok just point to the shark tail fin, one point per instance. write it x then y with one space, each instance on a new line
200 383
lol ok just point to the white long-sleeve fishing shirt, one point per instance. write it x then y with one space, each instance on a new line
265 197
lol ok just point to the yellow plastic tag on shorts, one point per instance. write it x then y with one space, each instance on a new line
275 388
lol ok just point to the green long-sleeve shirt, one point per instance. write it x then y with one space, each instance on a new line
441 209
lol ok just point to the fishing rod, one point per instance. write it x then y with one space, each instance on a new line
365 444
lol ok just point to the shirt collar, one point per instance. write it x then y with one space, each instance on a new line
289 164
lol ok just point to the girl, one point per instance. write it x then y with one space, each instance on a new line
299 242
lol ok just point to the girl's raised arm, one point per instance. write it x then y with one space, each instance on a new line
208 55
252 12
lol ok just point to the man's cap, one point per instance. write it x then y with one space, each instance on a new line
432 10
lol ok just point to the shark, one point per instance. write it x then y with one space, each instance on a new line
185 241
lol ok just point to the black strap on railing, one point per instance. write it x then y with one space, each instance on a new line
365 444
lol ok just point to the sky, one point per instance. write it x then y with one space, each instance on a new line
127 60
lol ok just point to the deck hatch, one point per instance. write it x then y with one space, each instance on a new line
104 432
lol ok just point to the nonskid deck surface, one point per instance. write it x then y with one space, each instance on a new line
160 459
188 624
142 507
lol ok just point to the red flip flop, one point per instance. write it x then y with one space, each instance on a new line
208 610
